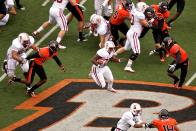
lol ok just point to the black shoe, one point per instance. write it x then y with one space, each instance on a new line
4 68
31 93
81 39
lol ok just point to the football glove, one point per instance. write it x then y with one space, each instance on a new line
172 67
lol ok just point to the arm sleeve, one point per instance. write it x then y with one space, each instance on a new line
57 60
33 55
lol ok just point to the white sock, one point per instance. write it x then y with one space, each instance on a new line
39 29
129 63
58 39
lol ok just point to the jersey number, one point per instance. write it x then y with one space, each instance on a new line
59 1
168 128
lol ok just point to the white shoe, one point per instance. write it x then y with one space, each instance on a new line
112 90
129 69
151 52
61 46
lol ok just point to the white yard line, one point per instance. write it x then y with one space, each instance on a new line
45 2
42 39
190 80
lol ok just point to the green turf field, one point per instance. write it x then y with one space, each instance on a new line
76 57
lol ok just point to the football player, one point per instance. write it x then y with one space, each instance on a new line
131 118
10 10
76 11
103 8
164 122
3 10
101 27
160 28
180 8
132 42
36 65
56 15
117 21
101 73
16 54
180 61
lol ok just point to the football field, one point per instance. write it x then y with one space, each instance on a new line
69 101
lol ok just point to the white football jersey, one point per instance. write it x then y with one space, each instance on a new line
17 46
127 120
103 27
9 3
135 21
104 54
60 4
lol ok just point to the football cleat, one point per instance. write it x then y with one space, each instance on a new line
151 52
81 39
111 90
176 83
35 34
31 93
61 46
4 68
129 69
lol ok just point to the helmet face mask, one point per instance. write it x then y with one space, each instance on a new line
24 39
164 114
127 4
149 13
163 6
109 45
167 42
135 109
53 46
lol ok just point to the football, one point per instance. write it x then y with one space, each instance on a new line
101 61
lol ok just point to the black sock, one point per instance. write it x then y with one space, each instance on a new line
80 35
33 88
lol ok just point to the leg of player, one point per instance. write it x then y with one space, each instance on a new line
40 29
97 75
109 79
133 43
39 70
183 73
174 77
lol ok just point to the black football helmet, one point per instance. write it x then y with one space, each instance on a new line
163 6
168 41
53 46
149 13
127 4
164 114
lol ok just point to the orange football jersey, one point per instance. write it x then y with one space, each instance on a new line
164 124
120 15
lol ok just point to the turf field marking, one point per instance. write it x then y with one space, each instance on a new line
190 80
42 39
45 2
